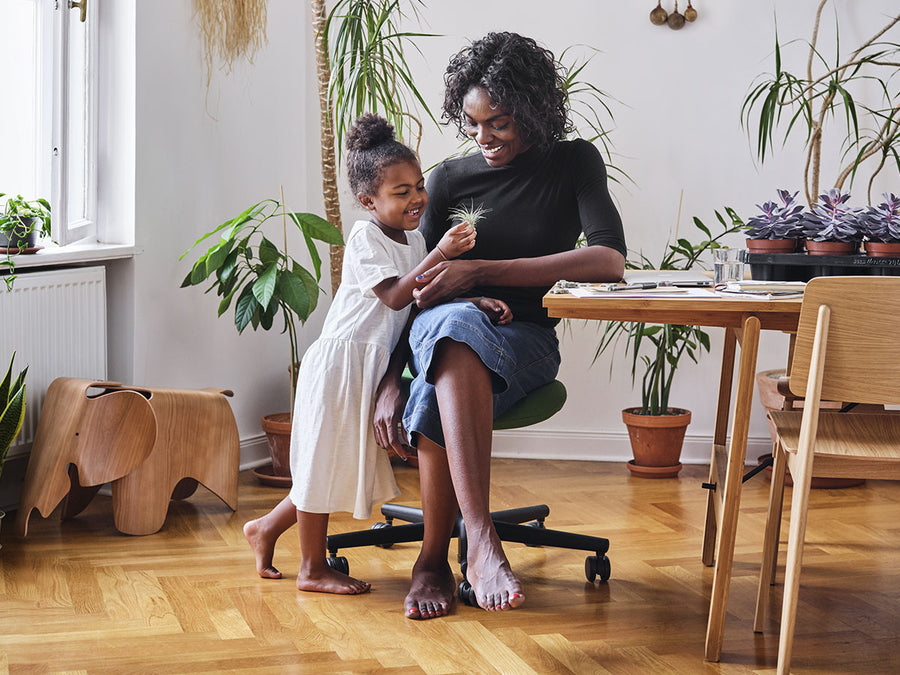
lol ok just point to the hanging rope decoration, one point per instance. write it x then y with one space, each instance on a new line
231 30
675 20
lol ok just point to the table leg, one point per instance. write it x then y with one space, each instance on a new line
723 408
749 339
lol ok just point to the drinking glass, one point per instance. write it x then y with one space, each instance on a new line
728 265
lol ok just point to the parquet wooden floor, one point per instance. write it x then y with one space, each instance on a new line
77 597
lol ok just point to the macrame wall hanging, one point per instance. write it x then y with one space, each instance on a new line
231 30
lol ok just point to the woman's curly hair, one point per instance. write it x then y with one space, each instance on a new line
371 148
520 76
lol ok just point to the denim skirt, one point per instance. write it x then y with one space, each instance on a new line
521 357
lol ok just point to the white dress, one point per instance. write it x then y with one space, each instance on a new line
335 463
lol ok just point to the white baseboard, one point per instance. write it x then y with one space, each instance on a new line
554 444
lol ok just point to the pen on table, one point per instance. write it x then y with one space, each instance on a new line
632 287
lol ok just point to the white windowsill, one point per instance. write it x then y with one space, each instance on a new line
78 252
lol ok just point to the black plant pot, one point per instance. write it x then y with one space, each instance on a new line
22 236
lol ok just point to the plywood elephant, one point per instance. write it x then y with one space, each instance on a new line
150 443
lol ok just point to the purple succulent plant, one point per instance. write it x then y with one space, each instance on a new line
830 219
777 221
882 222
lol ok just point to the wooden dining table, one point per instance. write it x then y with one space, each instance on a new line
742 318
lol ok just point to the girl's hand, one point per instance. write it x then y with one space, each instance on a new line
457 240
387 422
498 311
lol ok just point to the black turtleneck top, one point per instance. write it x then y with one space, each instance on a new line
539 203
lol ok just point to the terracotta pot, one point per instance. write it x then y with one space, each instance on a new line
771 245
883 249
656 441
278 433
831 247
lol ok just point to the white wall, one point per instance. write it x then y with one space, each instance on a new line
203 155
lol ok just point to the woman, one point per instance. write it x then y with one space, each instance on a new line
506 93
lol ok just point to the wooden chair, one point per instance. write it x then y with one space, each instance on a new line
846 350
152 445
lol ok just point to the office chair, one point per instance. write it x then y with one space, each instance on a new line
524 525
846 350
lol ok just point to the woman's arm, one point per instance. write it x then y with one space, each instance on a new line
449 279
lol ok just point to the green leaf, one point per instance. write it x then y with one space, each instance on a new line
317 228
268 252
295 295
216 256
11 417
198 272
264 286
245 309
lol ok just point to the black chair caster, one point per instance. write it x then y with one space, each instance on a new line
597 565
338 563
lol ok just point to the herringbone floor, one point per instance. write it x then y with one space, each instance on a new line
78 597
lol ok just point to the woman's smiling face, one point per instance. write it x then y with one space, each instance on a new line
492 127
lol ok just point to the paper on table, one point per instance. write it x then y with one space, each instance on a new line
664 291
764 290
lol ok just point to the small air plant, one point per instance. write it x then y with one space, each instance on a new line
882 223
468 214
830 219
782 221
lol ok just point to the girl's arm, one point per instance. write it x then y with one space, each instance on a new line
450 279
397 292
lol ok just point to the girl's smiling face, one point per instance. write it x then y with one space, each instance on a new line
492 127
399 201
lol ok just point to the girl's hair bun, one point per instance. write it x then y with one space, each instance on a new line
369 131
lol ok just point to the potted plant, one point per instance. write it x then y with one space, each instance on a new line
21 222
778 227
655 428
12 410
265 282
881 227
830 226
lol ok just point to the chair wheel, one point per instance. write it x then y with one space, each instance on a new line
595 566
338 563
380 526
466 594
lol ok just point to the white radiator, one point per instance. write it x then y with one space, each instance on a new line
55 321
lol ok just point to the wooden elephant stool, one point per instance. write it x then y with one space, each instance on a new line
151 444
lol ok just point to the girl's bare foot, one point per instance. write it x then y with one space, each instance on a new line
324 579
431 593
263 546
488 571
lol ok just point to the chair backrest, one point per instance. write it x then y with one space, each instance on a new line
862 358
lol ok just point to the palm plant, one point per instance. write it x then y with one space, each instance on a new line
657 350
806 101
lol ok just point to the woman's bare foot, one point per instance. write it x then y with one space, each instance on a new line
488 571
431 592
324 579
263 545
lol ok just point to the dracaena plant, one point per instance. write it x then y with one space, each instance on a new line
777 221
830 219
654 351
246 267
882 222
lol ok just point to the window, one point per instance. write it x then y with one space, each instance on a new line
49 137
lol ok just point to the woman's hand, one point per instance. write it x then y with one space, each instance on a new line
444 281
388 419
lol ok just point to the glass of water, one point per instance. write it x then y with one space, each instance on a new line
728 266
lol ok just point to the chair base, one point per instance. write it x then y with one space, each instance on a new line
523 525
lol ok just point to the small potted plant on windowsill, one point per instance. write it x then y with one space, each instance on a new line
831 227
778 227
881 227
265 282
21 222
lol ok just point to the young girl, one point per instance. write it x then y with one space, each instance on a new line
336 464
